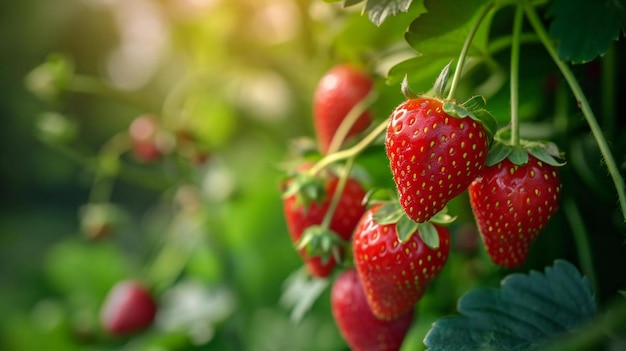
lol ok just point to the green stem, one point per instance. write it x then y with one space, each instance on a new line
102 184
583 103
505 42
514 84
343 179
466 46
94 86
609 87
353 151
581 237
346 124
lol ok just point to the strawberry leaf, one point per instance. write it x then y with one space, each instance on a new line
428 234
442 218
518 156
379 10
389 213
459 111
497 153
300 291
489 123
428 66
585 29
320 242
445 26
405 228
442 81
543 153
527 311
406 89
475 103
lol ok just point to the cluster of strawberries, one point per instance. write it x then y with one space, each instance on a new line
399 247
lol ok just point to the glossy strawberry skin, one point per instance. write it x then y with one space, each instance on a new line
344 220
337 92
129 307
395 275
356 322
433 156
512 204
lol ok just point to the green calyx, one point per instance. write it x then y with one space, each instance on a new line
392 213
473 108
318 241
306 188
502 148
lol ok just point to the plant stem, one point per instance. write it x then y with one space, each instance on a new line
94 86
103 179
466 45
353 151
514 84
534 20
581 238
343 179
609 88
346 124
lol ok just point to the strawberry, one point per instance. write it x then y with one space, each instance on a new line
147 139
395 265
512 204
305 204
433 155
356 322
128 307
337 92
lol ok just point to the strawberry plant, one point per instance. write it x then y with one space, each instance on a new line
314 175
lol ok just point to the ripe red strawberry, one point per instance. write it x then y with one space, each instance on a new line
512 204
395 273
307 206
433 156
336 94
129 307
356 322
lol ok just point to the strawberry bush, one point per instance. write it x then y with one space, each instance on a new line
314 175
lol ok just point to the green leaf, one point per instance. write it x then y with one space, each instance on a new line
300 291
442 218
445 26
320 242
348 3
405 228
475 103
379 10
526 312
421 70
518 156
456 110
543 153
488 121
428 234
585 29
497 153
442 81
389 213
406 89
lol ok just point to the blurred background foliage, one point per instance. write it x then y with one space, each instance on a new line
203 226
